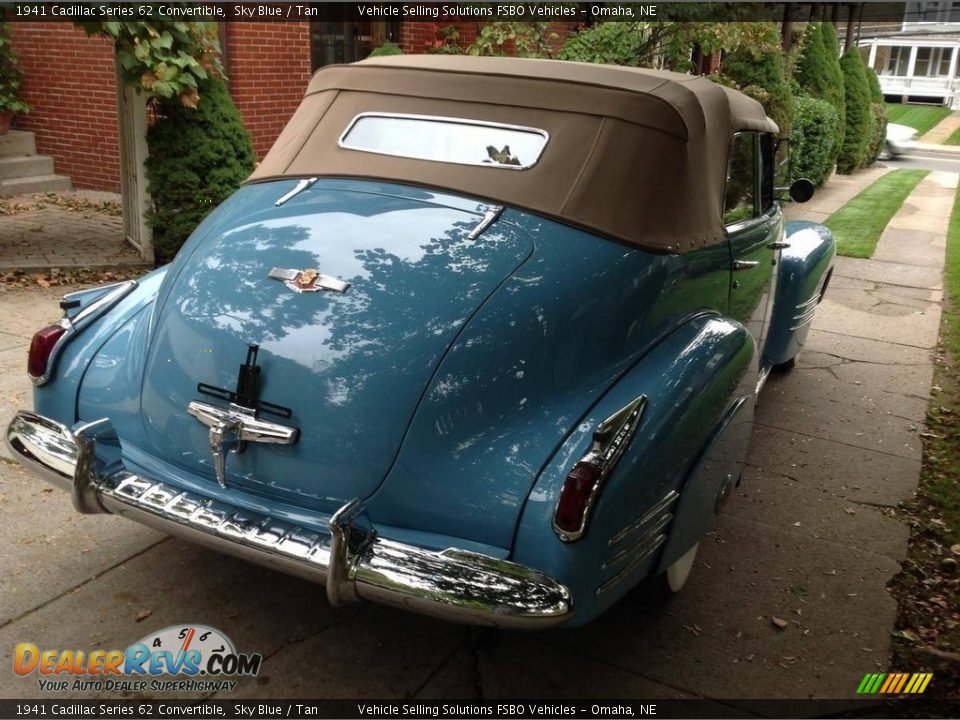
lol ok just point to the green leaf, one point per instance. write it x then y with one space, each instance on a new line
127 59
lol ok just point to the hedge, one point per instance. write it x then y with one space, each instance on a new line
812 140
819 75
859 123
761 75
197 158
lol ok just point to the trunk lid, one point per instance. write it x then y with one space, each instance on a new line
352 367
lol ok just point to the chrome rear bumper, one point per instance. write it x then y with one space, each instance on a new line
353 561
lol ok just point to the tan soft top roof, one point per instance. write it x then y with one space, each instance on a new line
639 155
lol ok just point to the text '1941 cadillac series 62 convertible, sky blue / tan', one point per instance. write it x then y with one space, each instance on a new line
480 338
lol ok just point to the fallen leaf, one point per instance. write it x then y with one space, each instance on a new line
143 615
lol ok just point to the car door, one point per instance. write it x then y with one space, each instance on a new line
753 224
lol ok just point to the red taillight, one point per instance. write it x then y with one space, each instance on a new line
40 348
574 503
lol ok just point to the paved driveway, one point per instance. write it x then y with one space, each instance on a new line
809 538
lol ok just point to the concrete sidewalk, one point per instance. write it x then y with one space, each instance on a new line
942 130
809 538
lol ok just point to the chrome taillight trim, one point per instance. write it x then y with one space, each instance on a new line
75 325
610 440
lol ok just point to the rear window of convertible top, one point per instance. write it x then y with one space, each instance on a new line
452 140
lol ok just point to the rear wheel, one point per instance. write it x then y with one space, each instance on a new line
659 589
677 574
786 366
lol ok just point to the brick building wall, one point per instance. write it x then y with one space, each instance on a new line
71 86
269 68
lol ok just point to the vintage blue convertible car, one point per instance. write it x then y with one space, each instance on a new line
480 338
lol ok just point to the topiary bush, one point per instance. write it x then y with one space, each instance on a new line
812 139
197 157
859 121
758 70
819 75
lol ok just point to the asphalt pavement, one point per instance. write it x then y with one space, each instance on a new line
787 598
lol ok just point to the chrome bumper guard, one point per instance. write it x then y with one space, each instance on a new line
353 561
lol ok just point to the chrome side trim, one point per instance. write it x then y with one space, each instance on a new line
660 524
761 381
647 548
351 559
115 293
666 502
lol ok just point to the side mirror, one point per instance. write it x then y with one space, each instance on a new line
801 190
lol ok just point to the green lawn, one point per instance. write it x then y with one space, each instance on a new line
858 224
954 139
920 117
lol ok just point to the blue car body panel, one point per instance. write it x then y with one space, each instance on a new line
805 269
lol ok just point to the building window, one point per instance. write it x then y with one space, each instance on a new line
923 64
336 41
898 61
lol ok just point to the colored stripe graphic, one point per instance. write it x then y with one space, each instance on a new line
914 682
900 682
894 683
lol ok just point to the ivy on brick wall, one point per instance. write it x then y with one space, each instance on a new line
165 59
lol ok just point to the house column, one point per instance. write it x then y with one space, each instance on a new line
952 99
912 63
873 55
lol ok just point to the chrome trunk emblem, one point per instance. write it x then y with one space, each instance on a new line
309 280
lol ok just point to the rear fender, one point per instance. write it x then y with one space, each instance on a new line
690 380
805 269
58 398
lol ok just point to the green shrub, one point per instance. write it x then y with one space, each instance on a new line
812 139
197 158
11 75
760 74
859 121
819 75
879 112
873 82
388 48
614 43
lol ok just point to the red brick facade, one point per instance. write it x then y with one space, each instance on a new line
71 85
269 68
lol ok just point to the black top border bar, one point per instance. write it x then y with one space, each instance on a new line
440 10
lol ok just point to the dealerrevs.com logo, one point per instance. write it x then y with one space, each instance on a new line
203 654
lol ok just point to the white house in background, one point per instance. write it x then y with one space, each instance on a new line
917 60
